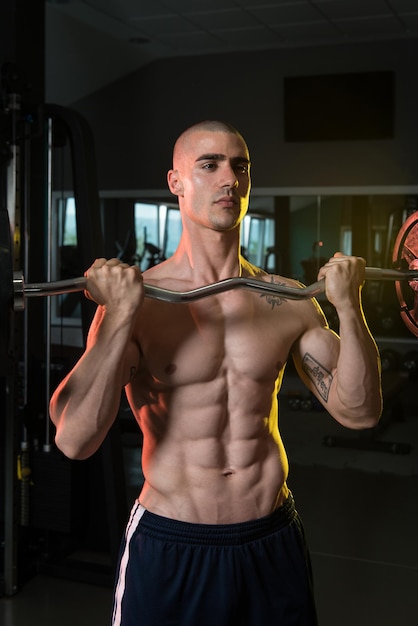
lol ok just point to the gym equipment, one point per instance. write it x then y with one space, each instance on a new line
409 363
27 139
404 252
22 291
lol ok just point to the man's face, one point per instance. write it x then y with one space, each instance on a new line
211 178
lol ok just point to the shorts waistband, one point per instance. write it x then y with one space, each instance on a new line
218 534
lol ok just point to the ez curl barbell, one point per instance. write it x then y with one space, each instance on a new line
30 290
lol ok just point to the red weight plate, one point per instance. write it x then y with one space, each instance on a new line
404 252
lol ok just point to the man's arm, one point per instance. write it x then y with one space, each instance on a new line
86 403
343 373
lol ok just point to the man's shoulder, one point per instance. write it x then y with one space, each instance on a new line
163 274
249 270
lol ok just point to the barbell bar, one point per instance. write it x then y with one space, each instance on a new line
60 287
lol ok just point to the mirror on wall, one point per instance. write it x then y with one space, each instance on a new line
147 232
323 224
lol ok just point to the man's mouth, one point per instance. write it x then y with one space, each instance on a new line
228 201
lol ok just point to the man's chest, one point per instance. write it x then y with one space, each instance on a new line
182 344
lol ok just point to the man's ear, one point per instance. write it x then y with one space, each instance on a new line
174 183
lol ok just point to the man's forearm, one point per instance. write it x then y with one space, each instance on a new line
357 384
85 404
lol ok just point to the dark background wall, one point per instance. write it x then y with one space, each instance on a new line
136 120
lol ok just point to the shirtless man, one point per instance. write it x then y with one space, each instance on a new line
214 538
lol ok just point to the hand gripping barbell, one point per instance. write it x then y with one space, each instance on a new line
22 291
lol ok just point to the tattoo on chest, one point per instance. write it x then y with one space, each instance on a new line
319 375
272 299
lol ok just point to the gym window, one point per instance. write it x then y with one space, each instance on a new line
159 226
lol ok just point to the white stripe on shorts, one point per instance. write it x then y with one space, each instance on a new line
136 514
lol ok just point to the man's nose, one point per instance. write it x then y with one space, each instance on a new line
229 178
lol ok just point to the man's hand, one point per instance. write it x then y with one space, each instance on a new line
115 285
344 275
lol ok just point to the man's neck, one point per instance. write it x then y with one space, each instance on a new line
210 258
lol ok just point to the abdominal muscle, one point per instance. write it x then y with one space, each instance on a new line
209 464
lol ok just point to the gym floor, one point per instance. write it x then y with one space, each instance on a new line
360 511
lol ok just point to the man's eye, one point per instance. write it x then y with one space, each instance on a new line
242 169
209 166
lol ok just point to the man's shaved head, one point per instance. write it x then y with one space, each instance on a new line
214 126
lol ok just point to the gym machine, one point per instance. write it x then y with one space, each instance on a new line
38 494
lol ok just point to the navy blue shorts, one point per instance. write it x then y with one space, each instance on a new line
254 573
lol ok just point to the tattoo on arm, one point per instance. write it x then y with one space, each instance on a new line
272 299
132 373
319 375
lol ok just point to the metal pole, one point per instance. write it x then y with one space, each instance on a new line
10 454
167 295
47 443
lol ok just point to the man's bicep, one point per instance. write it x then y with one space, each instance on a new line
315 356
